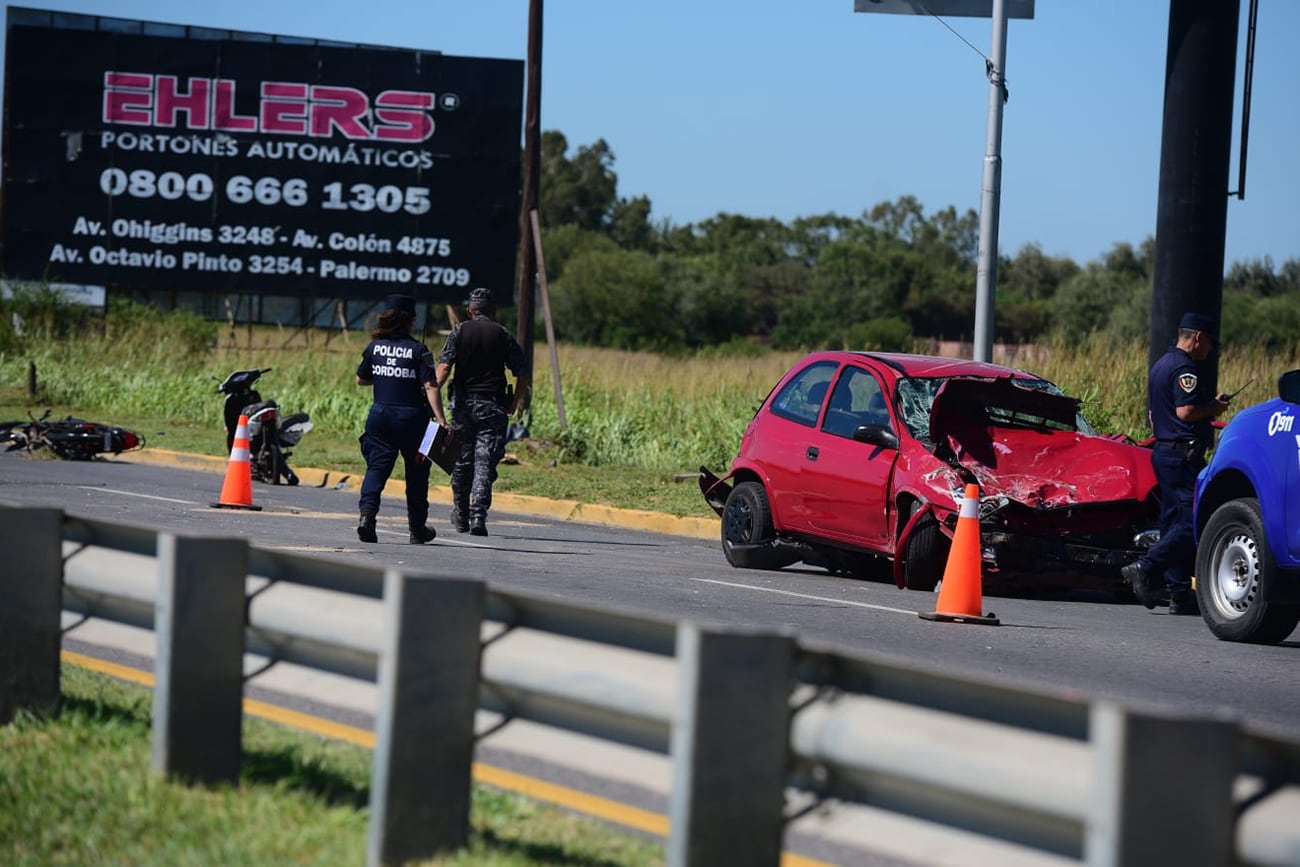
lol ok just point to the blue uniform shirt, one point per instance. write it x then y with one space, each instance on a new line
1175 381
399 366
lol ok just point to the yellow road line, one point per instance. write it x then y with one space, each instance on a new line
530 787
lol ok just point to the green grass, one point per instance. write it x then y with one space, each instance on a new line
77 789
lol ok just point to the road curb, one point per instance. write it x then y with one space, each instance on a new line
563 510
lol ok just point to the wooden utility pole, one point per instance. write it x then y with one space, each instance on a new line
532 176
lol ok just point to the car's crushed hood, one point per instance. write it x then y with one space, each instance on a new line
1021 443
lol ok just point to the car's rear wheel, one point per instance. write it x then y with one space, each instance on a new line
925 554
1234 570
747 531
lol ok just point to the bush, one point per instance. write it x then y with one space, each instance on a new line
33 313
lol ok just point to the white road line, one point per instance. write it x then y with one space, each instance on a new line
134 494
806 596
441 539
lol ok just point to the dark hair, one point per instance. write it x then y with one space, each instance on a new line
393 322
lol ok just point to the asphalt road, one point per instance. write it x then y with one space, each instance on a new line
1088 644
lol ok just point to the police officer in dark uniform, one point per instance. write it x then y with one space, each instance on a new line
1181 412
480 349
400 368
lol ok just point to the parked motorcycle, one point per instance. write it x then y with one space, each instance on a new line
270 435
71 438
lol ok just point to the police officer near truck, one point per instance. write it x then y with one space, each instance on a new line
401 370
481 350
1181 413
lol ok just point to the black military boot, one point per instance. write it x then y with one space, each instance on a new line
1183 603
460 517
366 528
478 527
422 534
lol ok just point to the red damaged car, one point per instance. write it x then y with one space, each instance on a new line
859 460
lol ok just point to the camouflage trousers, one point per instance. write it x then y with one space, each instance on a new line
480 426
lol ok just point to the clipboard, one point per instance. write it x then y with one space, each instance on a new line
439 446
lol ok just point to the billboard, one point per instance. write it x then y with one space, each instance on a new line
167 157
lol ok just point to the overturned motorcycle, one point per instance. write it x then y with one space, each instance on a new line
270 435
70 438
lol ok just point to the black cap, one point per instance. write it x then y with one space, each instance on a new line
1197 322
480 298
404 303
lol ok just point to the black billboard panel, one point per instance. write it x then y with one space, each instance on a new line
263 167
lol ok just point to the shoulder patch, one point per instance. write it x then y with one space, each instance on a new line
1187 382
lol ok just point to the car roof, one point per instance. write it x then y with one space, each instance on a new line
926 365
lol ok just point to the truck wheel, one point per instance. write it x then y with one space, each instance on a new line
1234 570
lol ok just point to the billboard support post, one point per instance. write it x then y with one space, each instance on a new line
525 328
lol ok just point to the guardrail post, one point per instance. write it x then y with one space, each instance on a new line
1163 789
730 748
424 732
31 599
199 665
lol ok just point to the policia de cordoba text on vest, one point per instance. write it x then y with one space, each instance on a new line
388 369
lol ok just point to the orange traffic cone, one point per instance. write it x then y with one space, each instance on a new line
959 594
237 492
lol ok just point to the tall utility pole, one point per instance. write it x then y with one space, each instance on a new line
986 277
532 181
1195 157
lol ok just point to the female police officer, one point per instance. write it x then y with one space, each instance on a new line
401 370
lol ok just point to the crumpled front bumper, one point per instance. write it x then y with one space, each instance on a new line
715 490
1009 554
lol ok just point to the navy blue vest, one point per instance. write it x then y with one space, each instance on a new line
399 366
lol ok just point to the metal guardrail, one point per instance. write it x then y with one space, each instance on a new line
760 728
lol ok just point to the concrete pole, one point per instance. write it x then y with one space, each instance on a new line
424 732
986 279
199 662
730 747
31 599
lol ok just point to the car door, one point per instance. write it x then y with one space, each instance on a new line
784 437
846 482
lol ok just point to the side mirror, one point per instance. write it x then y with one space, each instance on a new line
1288 386
878 435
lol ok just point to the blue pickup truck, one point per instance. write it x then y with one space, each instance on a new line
1247 516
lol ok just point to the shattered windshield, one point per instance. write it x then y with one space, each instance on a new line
916 398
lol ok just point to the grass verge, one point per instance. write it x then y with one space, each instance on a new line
77 789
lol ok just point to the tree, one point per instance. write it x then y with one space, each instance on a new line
1026 286
1099 299
583 192
615 298
852 283
579 191
629 224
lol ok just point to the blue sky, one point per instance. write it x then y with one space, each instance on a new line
802 107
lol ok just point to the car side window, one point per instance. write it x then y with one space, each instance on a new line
801 398
856 400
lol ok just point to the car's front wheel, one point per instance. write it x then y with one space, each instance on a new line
747 532
925 554
1234 570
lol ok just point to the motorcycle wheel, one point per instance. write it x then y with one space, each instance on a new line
276 466
261 467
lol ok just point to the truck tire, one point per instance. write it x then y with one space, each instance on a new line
1234 571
